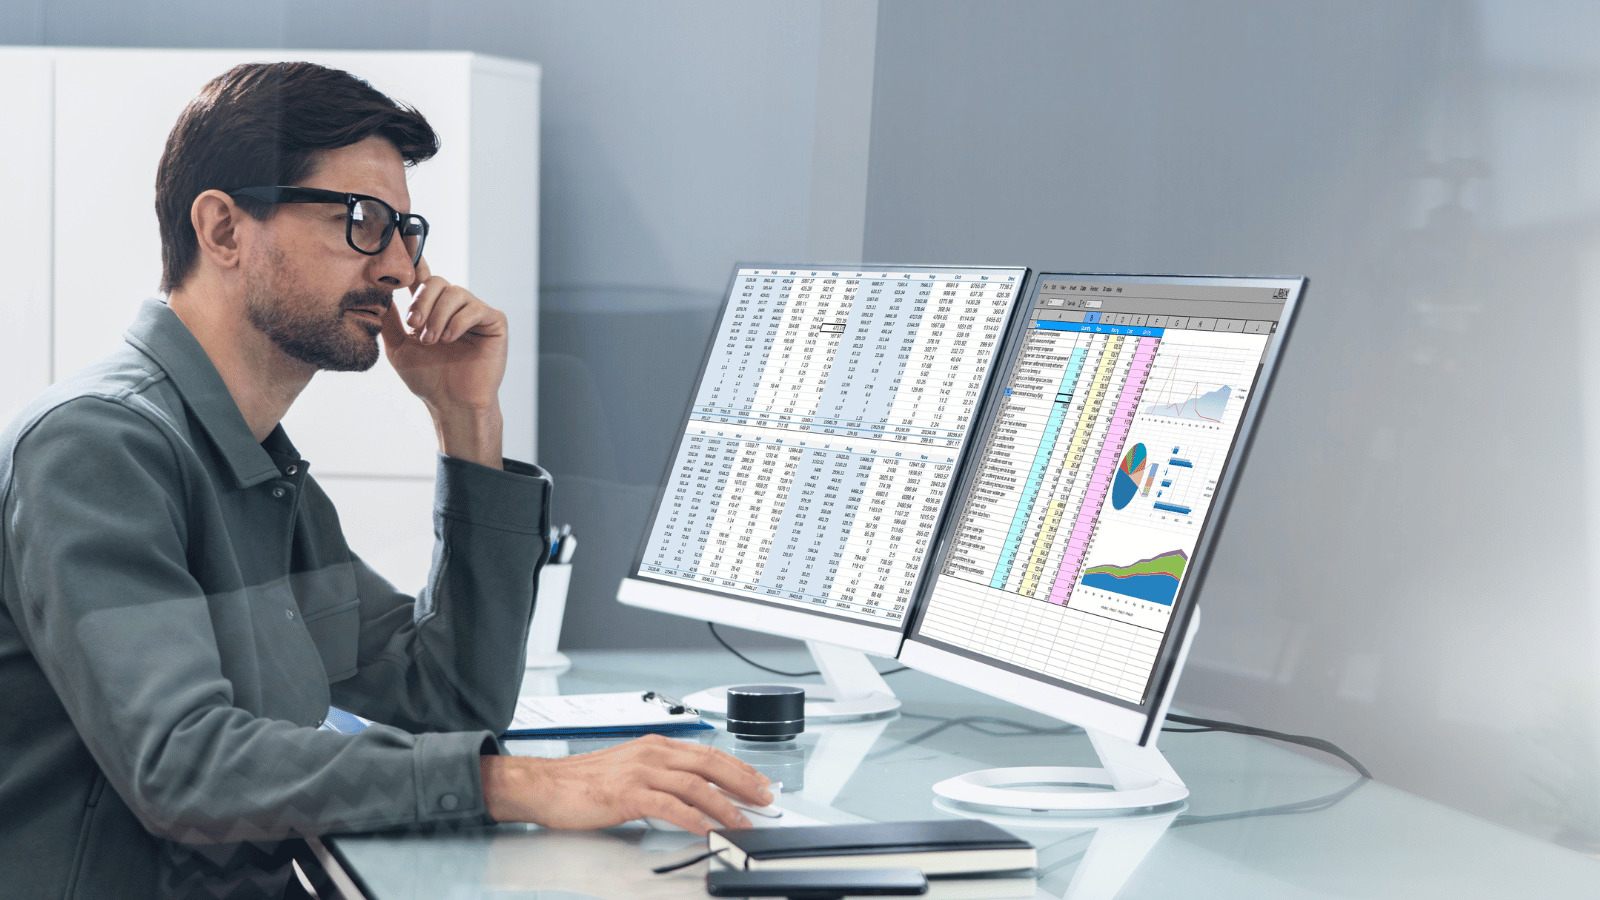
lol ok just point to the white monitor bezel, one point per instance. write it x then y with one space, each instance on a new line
712 605
790 623
1138 723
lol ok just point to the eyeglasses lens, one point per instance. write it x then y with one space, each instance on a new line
412 232
370 225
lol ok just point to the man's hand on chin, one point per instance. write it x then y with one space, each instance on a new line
451 352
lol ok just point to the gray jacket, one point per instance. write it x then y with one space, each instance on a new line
180 610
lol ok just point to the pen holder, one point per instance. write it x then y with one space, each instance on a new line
548 609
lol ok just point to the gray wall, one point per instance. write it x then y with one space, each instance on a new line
1406 569
677 138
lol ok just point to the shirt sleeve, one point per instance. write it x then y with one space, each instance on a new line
97 552
453 657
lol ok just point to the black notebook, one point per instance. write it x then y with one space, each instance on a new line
942 846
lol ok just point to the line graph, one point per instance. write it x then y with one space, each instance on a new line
1207 407
1203 380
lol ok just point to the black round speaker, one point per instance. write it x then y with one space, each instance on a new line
766 712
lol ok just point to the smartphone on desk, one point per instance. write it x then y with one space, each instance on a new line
815 884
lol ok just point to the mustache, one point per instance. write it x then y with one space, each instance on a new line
367 298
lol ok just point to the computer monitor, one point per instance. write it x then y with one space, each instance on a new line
816 457
1067 576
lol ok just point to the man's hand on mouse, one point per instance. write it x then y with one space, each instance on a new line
652 777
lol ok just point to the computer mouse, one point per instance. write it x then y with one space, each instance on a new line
770 812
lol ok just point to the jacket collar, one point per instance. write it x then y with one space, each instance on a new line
160 334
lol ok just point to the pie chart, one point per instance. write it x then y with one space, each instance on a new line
1126 482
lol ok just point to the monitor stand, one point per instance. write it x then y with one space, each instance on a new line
1130 779
851 688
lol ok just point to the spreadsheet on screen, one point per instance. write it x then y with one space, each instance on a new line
1096 473
824 433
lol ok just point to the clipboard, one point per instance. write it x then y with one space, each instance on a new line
621 714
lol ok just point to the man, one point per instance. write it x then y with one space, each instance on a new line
180 607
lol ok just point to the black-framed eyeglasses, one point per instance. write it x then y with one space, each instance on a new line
369 223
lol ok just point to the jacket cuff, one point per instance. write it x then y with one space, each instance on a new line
448 778
515 499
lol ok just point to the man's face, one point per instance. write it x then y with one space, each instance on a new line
307 289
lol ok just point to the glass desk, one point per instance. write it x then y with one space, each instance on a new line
1373 842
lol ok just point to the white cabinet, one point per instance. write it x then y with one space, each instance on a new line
27 118
86 128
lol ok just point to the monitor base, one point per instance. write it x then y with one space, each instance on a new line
1133 779
868 695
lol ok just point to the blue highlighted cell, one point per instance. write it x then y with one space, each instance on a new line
1094 328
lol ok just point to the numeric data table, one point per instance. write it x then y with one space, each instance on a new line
824 434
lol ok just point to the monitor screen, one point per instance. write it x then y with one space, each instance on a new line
816 457
1083 519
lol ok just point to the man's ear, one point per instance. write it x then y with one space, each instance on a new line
217 220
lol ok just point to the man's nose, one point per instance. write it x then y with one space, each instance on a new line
392 267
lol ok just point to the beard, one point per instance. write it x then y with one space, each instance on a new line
299 326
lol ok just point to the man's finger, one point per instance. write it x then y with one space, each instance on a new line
670 809
427 299
730 773
449 302
419 282
734 775
699 793
394 333
477 318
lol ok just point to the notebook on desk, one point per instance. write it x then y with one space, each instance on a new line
941 846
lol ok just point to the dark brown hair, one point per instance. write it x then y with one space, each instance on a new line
262 124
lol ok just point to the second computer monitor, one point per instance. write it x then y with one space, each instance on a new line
1067 575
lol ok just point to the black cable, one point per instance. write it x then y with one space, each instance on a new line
976 723
1315 804
1299 807
684 864
729 647
1304 740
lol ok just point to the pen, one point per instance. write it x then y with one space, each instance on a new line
561 535
673 706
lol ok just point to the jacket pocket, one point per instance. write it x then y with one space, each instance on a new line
115 856
336 631
80 855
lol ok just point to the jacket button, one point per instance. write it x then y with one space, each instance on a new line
278 492
291 470
289 614
448 802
